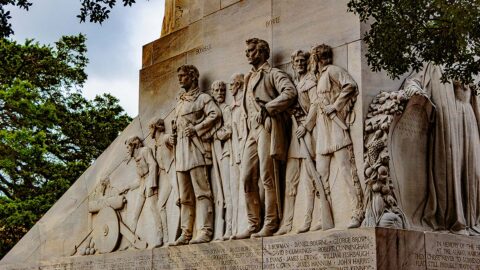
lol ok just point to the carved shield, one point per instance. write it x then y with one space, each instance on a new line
408 148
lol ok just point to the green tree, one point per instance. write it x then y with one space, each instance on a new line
96 11
406 33
49 133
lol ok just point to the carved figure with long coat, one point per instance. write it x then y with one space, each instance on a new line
269 92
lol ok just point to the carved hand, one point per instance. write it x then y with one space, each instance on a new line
412 90
329 109
190 131
301 131
172 140
258 118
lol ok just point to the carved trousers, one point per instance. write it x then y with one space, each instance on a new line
227 193
195 199
348 172
256 163
154 211
164 191
297 172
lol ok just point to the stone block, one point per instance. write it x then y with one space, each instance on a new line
147 55
88 262
447 251
27 250
126 260
222 52
59 236
333 26
177 43
321 250
227 3
240 254
400 249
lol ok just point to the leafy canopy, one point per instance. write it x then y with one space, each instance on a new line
406 33
96 11
49 133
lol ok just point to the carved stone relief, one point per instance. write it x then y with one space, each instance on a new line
224 163
106 224
418 156
381 206
453 201
269 92
196 119
300 163
337 92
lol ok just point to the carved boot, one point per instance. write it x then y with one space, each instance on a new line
163 216
271 215
310 199
227 234
287 216
253 213
182 240
205 220
187 214
201 238
354 223
159 241
316 227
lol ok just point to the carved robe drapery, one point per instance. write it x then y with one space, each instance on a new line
453 161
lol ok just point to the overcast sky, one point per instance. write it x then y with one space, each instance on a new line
114 48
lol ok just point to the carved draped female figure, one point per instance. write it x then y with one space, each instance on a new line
454 190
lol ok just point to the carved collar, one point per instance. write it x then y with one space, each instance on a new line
265 67
190 95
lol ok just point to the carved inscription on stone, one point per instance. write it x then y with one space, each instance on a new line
273 21
236 255
203 49
447 252
88 262
348 250
57 266
140 260
414 123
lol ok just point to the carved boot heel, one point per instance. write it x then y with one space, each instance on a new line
305 227
202 238
182 240
284 230
354 223
264 232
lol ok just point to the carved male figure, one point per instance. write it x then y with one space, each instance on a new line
196 114
167 183
222 146
237 142
146 183
337 92
302 136
269 92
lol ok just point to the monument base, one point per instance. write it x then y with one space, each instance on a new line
364 248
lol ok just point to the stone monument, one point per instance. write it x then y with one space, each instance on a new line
309 161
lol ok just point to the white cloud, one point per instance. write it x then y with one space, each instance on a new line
114 48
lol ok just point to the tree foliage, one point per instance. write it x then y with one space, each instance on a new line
406 33
96 11
49 133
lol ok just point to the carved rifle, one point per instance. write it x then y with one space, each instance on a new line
326 210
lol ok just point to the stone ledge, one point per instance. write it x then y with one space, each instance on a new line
364 248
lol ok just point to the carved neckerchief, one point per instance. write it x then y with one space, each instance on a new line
191 95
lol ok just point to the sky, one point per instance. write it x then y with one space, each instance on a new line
114 48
